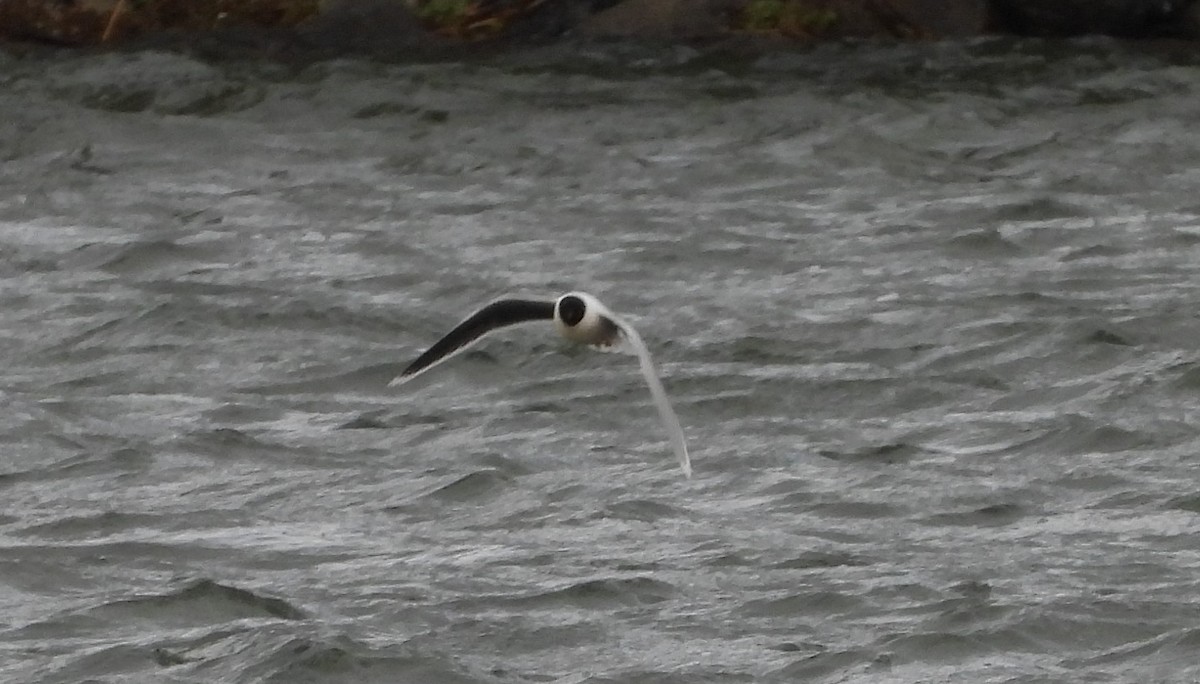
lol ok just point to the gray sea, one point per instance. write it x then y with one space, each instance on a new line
929 314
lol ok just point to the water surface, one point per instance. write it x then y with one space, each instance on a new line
928 314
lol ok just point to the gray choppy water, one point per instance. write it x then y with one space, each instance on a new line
928 314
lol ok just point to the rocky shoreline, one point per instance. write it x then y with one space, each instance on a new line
399 26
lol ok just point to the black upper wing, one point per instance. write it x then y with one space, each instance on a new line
495 315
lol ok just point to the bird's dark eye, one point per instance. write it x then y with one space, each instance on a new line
571 310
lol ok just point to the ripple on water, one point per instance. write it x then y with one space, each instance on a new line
308 659
159 82
1186 376
822 559
644 510
201 602
270 653
1169 656
144 257
476 486
1081 435
982 243
199 607
808 603
883 454
991 515
833 663
602 594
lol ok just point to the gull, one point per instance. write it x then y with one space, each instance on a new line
577 316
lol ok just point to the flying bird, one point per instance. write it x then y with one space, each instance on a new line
577 316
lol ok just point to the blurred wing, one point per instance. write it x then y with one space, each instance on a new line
498 314
669 419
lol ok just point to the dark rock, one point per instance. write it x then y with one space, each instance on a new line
692 19
1188 24
376 27
942 19
1123 18
68 23
661 19
506 21
906 19
381 29
83 22
549 19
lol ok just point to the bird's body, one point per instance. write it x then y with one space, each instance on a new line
578 317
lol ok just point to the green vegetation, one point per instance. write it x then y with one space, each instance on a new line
444 12
795 18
